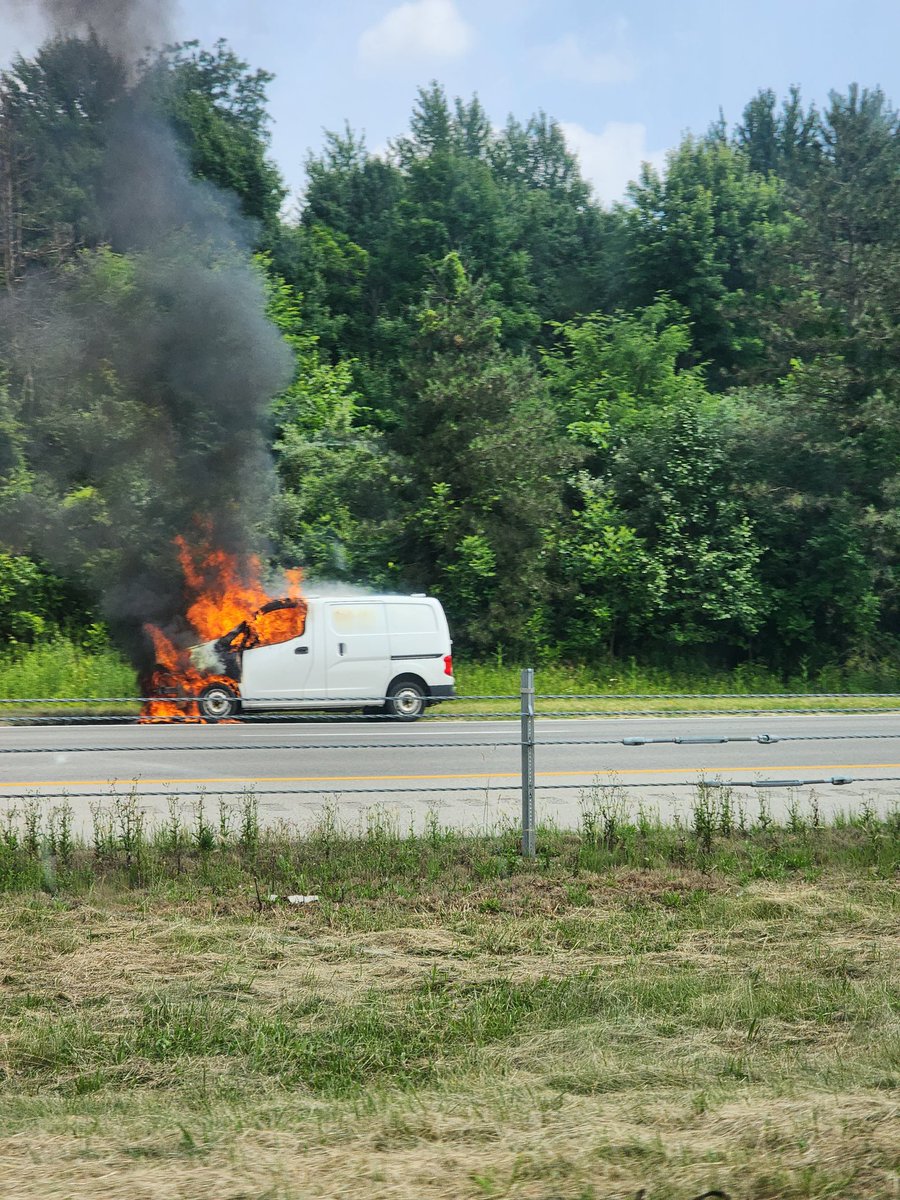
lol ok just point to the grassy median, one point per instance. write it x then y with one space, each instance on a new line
711 1005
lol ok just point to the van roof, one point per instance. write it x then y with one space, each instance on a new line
365 599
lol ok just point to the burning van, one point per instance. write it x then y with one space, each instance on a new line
389 654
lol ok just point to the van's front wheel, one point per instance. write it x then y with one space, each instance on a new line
406 700
218 703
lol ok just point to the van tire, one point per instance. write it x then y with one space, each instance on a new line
406 700
218 703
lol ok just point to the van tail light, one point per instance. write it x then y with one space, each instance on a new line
448 664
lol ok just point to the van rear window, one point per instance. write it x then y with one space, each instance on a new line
411 618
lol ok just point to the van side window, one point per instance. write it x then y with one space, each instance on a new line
279 624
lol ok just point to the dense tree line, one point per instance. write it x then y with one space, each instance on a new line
669 426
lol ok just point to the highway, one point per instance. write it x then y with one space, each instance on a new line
466 770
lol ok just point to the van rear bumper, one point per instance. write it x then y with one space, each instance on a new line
442 691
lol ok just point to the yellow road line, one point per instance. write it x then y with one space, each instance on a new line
170 782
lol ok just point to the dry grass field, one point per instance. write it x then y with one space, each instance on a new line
641 1011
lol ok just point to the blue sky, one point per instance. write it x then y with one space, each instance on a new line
625 80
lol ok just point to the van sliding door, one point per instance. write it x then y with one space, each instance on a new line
356 651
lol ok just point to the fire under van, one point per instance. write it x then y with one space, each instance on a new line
389 654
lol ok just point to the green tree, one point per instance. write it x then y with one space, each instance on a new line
851 244
607 369
349 259
217 108
512 205
569 240
657 550
55 115
612 585
336 511
453 204
485 462
673 479
705 232
131 432
13 437
783 143
828 519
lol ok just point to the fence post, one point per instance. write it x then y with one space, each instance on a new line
528 762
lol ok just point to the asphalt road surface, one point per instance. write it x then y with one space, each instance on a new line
466 771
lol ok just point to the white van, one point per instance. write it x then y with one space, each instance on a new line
388 654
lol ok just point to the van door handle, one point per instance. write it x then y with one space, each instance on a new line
301 649
341 648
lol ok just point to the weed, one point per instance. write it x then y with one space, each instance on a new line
248 835
59 834
764 814
704 811
445 996
128 821
796 823
578 895
172 839
603 810
646 822
383 862
726 810
815 816
31 819
9 831
204 834
226 813
62 668
103 835
324 833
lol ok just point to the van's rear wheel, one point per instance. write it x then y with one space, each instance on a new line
406 700
218 703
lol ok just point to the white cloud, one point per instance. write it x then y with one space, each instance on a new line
419 29
612 158
569 60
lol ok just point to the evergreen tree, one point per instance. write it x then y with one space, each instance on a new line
217 107
55 115
485 465
784 143
336 512
852 242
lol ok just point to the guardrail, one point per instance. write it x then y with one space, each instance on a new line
529 705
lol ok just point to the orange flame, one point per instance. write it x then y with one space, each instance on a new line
224 593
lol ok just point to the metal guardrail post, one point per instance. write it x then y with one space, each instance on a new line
528 817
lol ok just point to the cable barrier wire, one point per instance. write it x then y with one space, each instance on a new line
184 736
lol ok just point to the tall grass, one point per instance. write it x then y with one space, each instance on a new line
222 847
62 668
630 677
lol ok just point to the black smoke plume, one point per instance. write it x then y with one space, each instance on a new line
141 372
127 27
